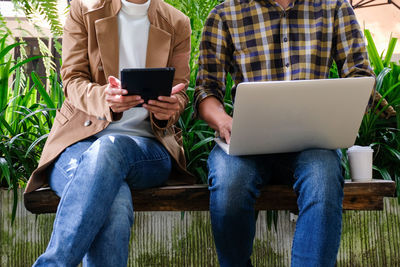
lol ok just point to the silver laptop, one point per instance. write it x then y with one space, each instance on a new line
291 116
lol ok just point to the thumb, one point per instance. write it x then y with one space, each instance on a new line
114 82
177 88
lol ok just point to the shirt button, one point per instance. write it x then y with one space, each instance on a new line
287 65
87 123
285 39
100 68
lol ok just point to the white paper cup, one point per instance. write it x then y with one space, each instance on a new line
360 159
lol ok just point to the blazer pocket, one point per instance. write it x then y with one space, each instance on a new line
67 109
65 113
61 118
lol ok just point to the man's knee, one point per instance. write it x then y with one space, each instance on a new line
322 164
233 181
319 175
230 171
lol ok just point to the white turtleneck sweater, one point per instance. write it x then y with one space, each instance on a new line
133 30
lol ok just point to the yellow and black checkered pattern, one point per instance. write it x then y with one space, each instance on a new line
256 40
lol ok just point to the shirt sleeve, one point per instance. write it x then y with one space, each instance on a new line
350 53
214 60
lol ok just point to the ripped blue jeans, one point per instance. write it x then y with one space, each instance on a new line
93 178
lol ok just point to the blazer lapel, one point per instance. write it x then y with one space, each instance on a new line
158 48
108 41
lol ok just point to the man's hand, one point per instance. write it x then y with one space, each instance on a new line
117 99
212 111
165 106
224 126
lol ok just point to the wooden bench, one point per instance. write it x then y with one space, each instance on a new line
357 196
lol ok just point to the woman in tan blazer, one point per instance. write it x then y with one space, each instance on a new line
102 143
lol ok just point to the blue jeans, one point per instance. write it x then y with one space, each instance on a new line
93 178
235 183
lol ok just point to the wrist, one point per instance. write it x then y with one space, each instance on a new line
223 119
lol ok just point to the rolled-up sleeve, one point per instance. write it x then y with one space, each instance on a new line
214 60
350 52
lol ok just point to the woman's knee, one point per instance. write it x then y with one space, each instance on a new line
113 145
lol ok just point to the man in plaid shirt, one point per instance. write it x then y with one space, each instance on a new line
266 40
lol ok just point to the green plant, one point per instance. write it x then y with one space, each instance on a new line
197 136
24 121
197 11
45 8
383 134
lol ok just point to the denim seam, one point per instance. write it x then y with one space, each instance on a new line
149 160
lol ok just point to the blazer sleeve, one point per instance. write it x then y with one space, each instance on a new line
84 94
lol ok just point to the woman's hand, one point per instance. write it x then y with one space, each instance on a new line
165 106
117 99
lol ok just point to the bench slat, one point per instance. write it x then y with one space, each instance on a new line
357 196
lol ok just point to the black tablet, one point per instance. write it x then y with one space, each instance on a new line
149 83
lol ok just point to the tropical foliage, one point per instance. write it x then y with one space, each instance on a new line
378 130
26 116
197 136
383 134
45 8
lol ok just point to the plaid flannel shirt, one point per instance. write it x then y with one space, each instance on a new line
256 40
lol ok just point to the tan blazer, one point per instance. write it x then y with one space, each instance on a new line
90 55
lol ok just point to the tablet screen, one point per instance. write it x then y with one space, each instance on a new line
149 83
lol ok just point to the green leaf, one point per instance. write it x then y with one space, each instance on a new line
380 78
19 64
5 170
15 138
7 126
35 143
197 157
43 93
34 113
272 218
384 173
392 150
397 177
390 50
202 143
373 52
48 10
7 49
15 202
202 174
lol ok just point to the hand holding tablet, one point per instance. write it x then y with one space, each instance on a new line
165 107
150 87
149 83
